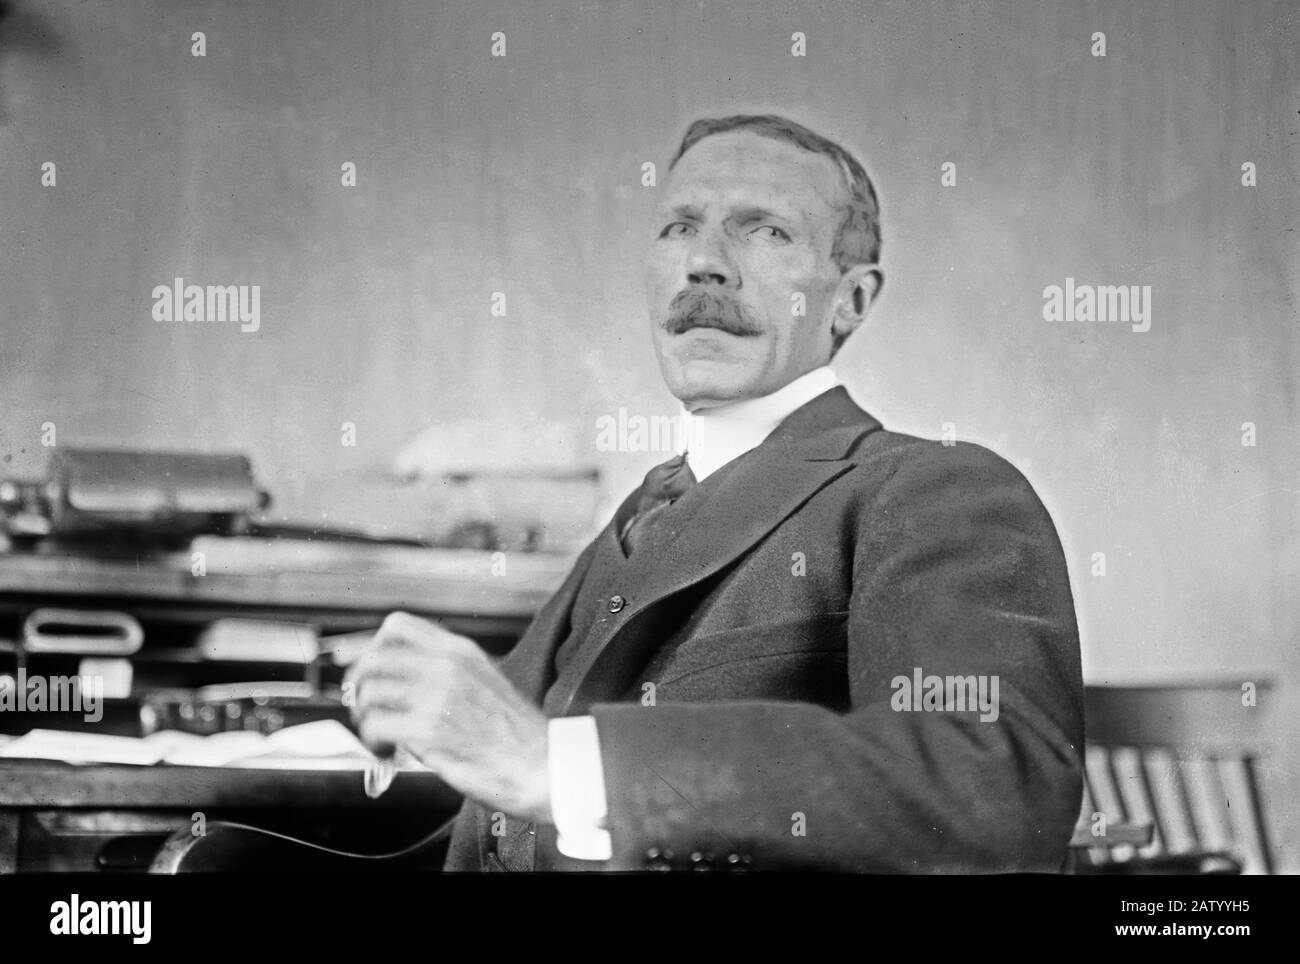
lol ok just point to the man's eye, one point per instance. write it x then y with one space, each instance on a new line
678 229
771 232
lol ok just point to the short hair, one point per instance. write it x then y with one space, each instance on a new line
857 240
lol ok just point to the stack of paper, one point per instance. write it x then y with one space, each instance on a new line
322 745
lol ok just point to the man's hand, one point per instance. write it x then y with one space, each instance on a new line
438 695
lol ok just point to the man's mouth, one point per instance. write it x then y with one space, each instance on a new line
707 322
695 308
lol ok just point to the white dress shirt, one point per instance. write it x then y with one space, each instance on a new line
713 437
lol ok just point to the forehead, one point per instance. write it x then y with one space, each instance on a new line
738 168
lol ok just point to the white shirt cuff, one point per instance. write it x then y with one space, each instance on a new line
578 788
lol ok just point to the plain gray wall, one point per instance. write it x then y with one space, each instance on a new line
522 174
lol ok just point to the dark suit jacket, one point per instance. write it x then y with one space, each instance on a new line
832 559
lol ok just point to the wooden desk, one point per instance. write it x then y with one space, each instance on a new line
60 817
339 587
57 817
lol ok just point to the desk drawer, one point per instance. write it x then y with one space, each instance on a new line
94 840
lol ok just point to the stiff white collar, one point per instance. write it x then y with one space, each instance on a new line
715 436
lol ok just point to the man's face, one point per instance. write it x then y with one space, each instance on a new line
746 225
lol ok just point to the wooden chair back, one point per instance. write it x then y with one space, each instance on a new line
1183 760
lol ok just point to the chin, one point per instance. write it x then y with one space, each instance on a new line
707 366
708 381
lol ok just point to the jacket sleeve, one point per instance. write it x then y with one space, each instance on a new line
957 571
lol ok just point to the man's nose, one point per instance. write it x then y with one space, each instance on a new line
710 263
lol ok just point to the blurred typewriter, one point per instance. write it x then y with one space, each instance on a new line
159 576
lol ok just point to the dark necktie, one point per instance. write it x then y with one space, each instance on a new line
663 485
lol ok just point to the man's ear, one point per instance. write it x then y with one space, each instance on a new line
854 295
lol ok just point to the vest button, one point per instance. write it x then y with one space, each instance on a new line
616 603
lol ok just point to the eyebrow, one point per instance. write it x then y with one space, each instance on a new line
688 211
745 215
750 214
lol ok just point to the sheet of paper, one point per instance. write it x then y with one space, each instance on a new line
219 749
74 747
320 745
320 738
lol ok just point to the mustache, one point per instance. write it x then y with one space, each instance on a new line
700 308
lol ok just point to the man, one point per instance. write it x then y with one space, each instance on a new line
808 643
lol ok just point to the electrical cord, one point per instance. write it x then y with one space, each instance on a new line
443 829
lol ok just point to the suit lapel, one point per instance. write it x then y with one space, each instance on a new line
530 664
765 486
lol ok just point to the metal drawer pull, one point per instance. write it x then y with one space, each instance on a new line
92 632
